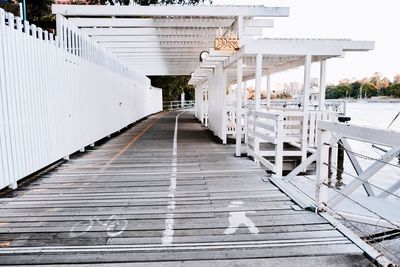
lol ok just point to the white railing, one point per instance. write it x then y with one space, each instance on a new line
172 105
338 136
338 106
231 120
58 95
201 104
269 131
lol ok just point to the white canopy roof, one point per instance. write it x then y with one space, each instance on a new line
278 55
165 40
168 40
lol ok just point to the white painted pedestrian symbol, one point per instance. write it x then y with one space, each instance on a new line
236 218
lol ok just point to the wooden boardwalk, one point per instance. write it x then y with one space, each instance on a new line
141 200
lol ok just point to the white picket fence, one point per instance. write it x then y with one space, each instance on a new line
58 95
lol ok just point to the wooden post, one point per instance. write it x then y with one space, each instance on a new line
268 91
246 109
304 132
258 82
206 105
322 85
257 106
60 32
279 146
239 107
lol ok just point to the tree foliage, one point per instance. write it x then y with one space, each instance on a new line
368 86
38 12
353 90
10 7
147 2
173 86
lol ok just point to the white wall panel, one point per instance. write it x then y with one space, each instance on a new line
55 100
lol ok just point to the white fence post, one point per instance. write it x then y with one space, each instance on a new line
279 146
321 190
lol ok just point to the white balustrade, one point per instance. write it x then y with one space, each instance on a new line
268 131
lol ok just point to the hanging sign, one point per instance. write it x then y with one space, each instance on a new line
229 41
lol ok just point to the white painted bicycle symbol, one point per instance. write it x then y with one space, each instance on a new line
115 226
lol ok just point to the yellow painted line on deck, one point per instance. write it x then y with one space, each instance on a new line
134 139
5 244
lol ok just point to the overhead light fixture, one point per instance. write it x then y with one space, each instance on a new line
203 55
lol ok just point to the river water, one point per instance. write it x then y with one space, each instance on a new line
376 115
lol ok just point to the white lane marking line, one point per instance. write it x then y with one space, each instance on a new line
236 218
168 233
181 246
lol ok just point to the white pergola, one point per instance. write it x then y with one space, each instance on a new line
168 40
165 40
263 57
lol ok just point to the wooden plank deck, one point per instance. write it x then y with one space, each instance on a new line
136 200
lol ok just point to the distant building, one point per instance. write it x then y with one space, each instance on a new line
292 88
345 81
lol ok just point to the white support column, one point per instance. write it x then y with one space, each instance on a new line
322 85
279 146
246 109
182 99
224 121
206 113
307 83
245 100
60 32
196 98
306 89
240 27
257 106
239 80
268 90
258 82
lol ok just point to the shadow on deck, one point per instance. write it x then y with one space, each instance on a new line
133 200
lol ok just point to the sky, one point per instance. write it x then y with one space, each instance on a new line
369 20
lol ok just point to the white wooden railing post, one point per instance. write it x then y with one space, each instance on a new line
279 146
256 140
239 107
268 91
322 85
245 102
321 190
306 89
